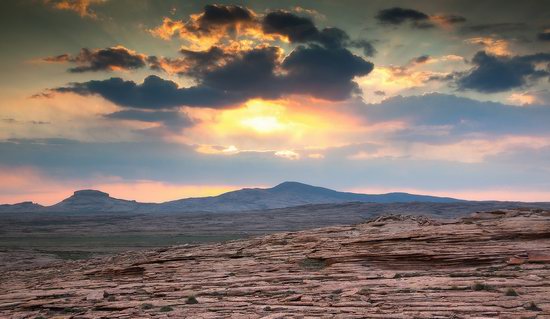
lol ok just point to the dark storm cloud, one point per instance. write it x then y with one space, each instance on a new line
108 59
300 29
417 19
213 19
153 93
216 15
497 73
296 28
198 63
397 16
451 19
333 38
322 66
313 70
251 74
202 59
366 46
224 14
544 36
324 73
192 63
421 59
219 22
173 120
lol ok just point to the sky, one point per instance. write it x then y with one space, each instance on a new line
165 99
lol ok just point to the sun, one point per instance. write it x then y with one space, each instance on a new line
263 117
263 124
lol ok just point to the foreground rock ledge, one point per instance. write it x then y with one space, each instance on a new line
490 265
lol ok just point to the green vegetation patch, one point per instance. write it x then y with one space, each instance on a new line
192 300
166 309
511 292
479 286
313 263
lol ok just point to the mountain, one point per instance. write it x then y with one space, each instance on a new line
89 200
20 207
286 194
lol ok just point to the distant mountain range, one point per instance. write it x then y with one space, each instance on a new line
286 194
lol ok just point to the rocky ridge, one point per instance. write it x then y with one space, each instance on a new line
487 265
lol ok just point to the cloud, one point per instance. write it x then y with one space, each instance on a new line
517 32
192 63
14 121
109 59
214 23
538 97
421 59
310 12
298 29
82 7
544 36
365 45
492 73
324 73
172 120
295 28
153 93
503 29
393 79
491 45
417 19
168 29
259 73
457 117
397 16
231 27
287 154
249 74
447 20
216 15
132 162
201 62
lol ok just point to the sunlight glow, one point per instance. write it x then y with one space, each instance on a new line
263 124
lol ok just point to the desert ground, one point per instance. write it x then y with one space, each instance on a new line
485 265
28 239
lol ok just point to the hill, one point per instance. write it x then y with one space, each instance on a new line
286 194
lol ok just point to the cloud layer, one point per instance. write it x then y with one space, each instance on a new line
109 59
254 94
313 70
501 73
417 19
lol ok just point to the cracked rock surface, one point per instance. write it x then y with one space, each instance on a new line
488 265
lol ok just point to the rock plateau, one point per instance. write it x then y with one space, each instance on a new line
487 265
